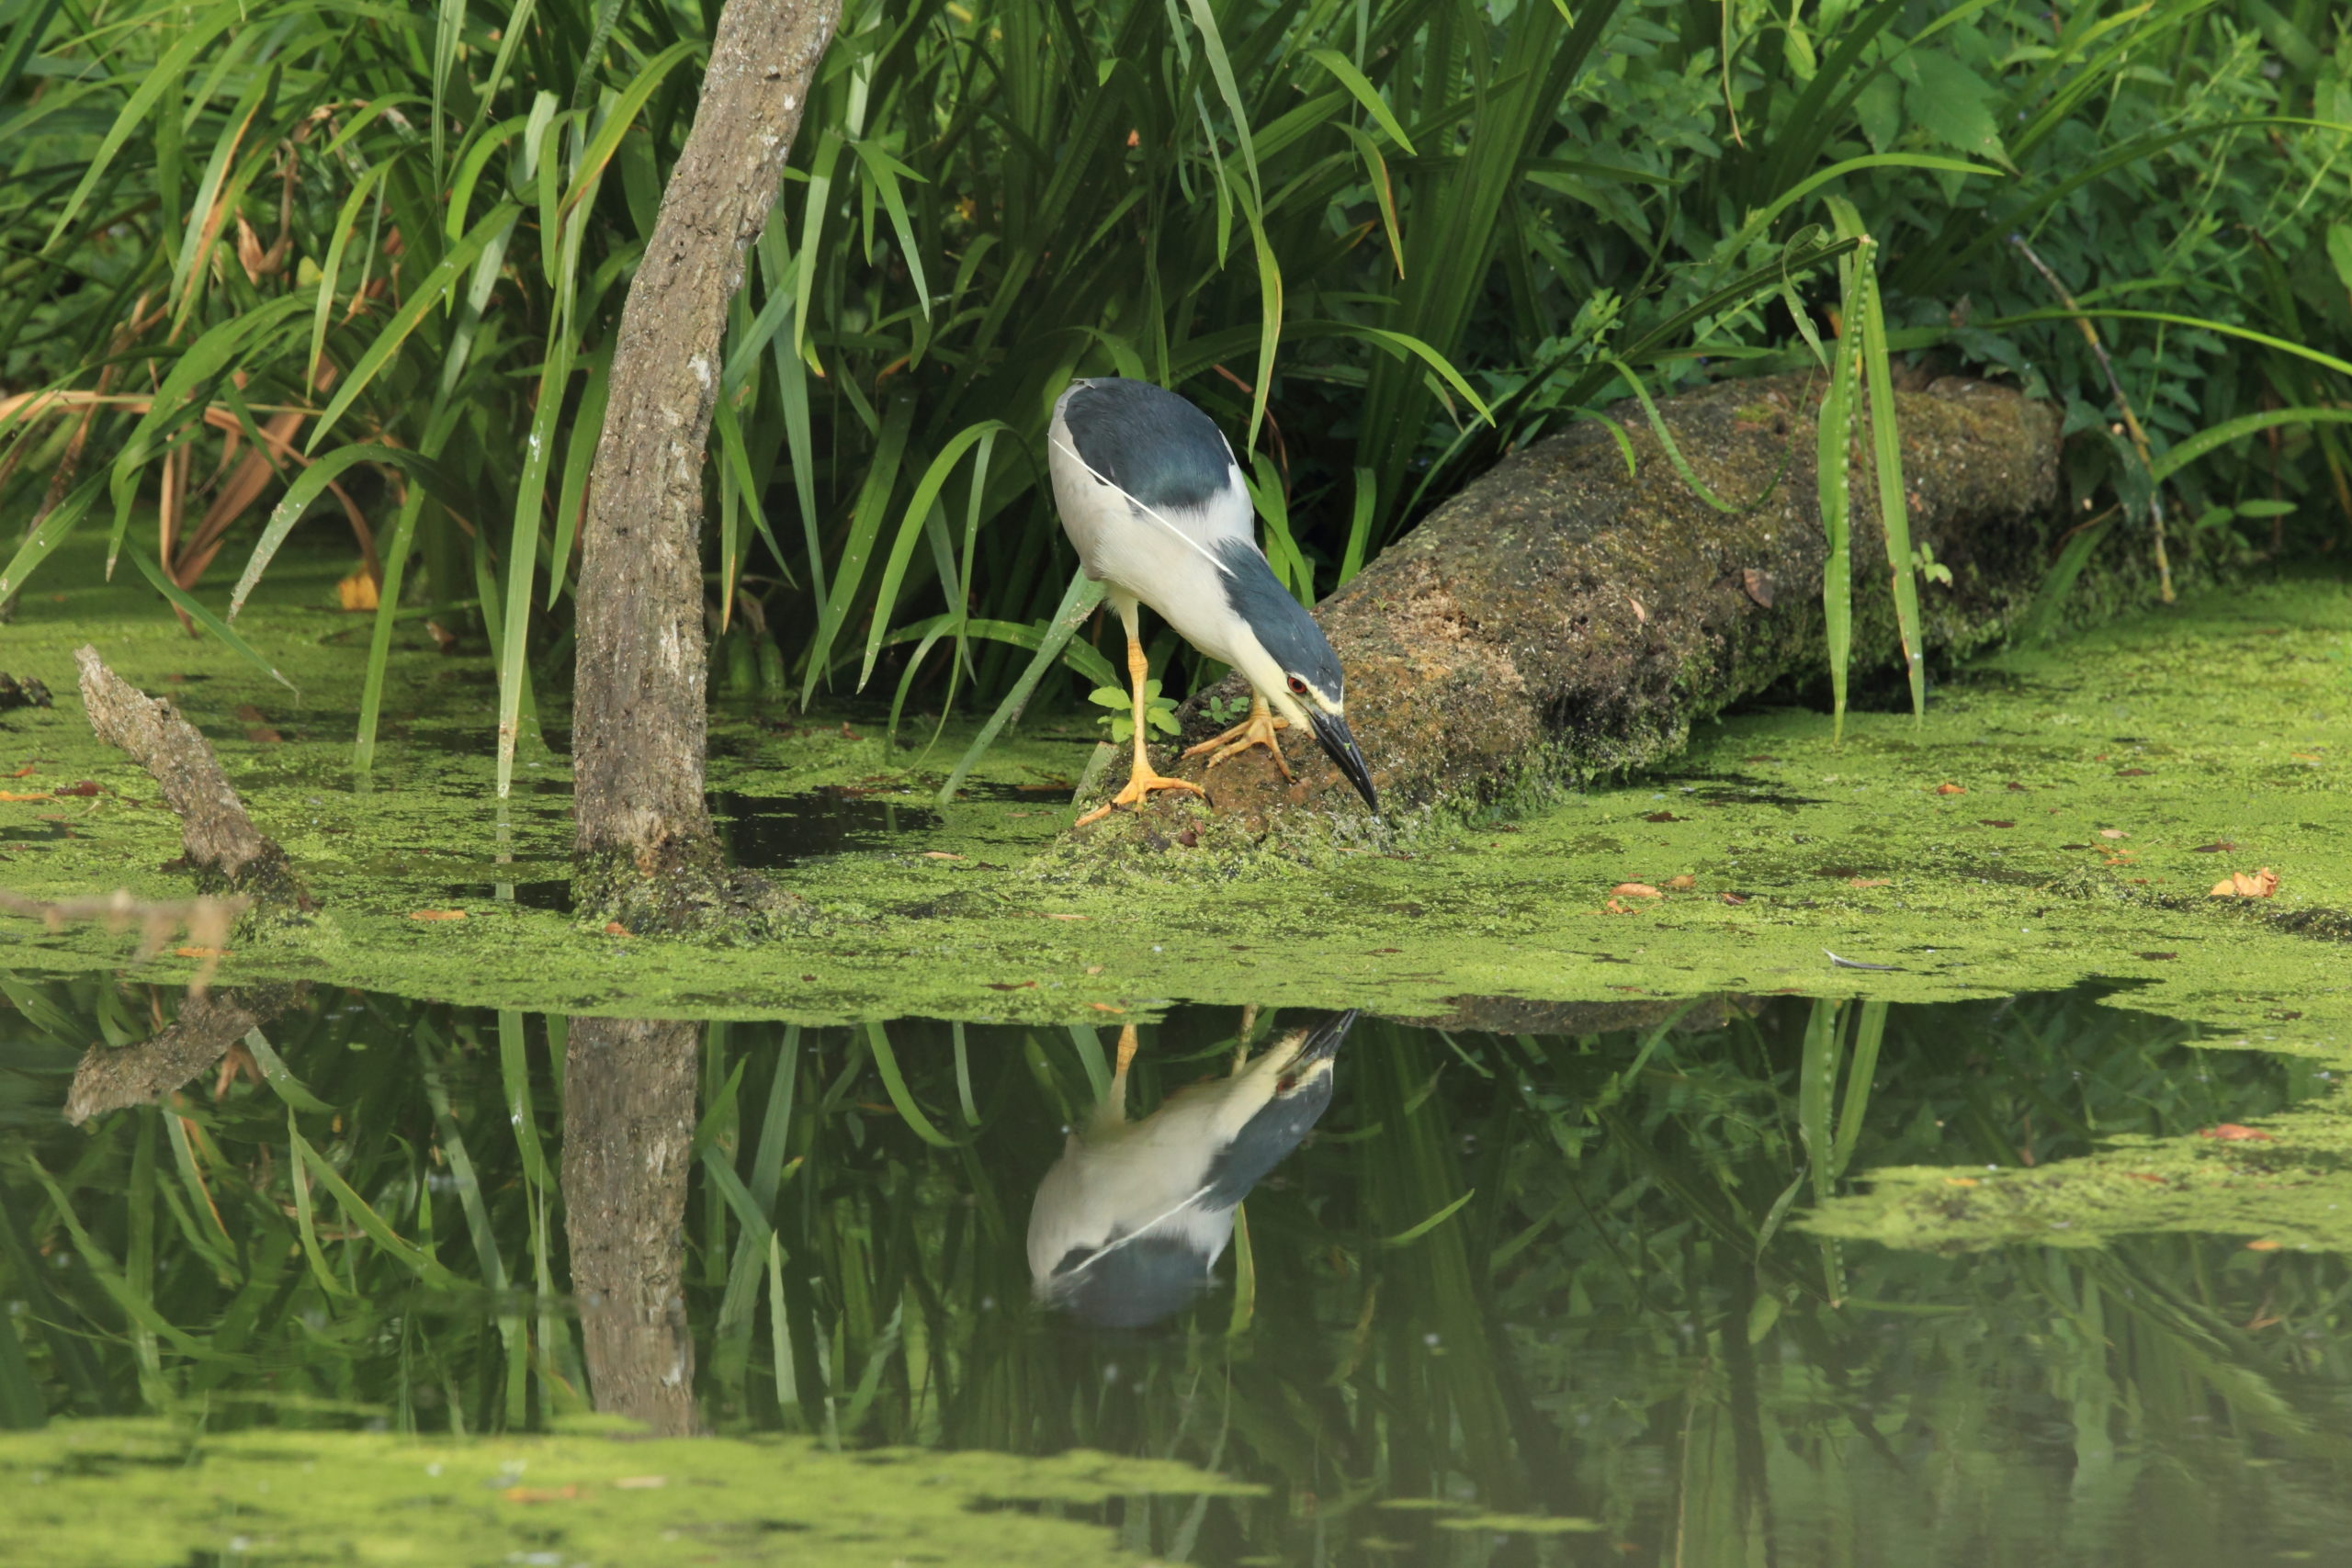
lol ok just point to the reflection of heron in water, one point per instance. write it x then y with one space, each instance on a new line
1133 1216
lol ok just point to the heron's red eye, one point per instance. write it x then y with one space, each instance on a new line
1297 687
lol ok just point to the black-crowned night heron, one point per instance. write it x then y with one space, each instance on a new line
1152 498
1131 1219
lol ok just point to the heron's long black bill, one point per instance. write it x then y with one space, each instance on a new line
1326 1040
1339 744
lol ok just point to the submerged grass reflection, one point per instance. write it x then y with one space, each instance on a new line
1592 1275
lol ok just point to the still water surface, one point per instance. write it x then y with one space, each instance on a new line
1524 1285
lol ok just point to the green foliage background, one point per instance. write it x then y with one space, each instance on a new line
1346 228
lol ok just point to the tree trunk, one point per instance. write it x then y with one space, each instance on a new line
638 736
629 1125
1563 617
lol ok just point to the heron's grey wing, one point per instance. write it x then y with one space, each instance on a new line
1163 462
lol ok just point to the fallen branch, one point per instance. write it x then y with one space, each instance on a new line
219 840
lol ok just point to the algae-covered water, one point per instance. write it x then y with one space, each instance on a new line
1623 1283
1932 1172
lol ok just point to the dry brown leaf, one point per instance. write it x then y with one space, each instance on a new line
1734 899
2264 1245
1104 1007
2239 884
200 952
1094 969
20 772
1951 789
15 795
939 854
1757 584
1682 883
1052 916
437 914
1961 1181
2232 1132
1869 882
1636 890
2113 834
614 927
357 591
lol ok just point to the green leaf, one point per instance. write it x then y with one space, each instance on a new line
1952 102
2339 252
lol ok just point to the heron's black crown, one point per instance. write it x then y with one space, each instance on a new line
1149 442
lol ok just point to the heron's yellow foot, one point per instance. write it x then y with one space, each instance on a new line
1258 729
1140 782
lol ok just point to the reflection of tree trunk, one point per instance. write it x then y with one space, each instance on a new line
628 1120
109 1077
638 699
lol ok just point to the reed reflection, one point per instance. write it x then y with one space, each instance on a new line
1129 1224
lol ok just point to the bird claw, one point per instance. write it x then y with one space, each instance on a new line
1140 782
1258 729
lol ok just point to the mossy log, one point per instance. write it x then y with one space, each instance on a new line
1571 614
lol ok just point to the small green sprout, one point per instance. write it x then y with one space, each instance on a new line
1158 712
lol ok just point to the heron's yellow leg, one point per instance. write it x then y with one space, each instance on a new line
1117 1103
1142 780
1258 729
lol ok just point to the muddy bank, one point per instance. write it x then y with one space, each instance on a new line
1568 616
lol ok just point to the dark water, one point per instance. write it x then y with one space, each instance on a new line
1535 1289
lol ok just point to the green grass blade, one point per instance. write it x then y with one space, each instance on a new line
163 76
1833 461
357 1209
42 541
885 1062
886 172
205 618
865 529
2220 435
279 1077
1870 1034
437 287
307 488
1816 1076
1361 88
1077 602
1886 450
911 525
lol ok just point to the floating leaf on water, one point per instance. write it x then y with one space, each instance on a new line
2261 884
